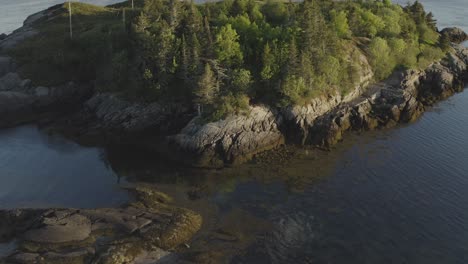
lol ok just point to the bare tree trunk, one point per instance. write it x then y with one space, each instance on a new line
133 6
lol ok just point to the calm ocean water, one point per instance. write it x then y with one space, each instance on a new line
391 196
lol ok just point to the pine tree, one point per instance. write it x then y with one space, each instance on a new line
195 53
431 21
292 65
184 68
174 10
268 61
228 50
314 27
208 35
206 90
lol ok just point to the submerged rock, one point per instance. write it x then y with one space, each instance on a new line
141 232
59 227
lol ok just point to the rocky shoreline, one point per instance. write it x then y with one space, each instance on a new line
145 231
175 131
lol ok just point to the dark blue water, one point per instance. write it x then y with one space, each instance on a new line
38 170
397 196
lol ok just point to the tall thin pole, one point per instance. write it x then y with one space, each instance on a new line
70 15
133 6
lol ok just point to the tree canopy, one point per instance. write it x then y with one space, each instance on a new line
225 55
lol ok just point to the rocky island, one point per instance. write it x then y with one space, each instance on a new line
208 86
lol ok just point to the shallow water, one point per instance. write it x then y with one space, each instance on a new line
38 170
390 196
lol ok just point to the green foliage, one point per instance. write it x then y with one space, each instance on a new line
275 11
380 58
227 46
340 23
226 54
207 88
227 105
269 65
241 81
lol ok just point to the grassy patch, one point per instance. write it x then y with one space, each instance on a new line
52 57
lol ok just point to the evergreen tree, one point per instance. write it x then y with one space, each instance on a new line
208 35
206 90
195 52
292 66
184 67
431 21
228 49
268 61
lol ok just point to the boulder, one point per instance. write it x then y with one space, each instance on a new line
134 233
6 65
119 115
231 140
456 35
21 102
60 226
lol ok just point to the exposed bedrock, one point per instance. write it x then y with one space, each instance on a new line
456 35
229 141
399 99
402 98
21 101
142 232
120 118
238 138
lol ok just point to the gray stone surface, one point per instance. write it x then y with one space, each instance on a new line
21 102
141 232
235 137
60 228
456 35
6 65
116 114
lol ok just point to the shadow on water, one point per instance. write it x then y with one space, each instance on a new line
40 170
